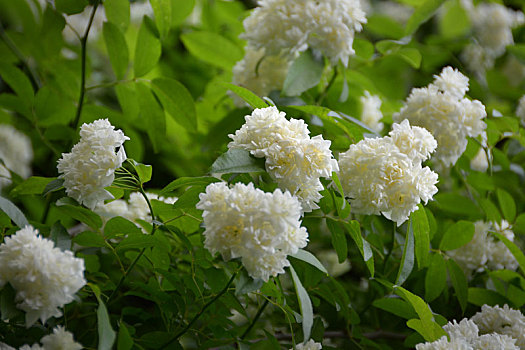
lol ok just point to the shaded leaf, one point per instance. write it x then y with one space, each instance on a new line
305 304
177 101
147 48
457 235
304 73
459 281
237 160
13 212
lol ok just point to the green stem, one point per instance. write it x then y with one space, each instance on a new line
325 91
197 316
83 44
391 249
255 319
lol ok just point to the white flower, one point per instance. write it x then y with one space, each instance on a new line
260 73
480 161
501 320
414 141
465 329
484 251
309 345
443 344
452 81
260 228
91 165
380 178
371 114
520 111
450 118
288 27
477 59
16 153
293 159
44 277
495 341
60 340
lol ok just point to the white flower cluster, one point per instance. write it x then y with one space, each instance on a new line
91 165
260 73
293 159
288 27
136 208
442 108
44 277
309 345
260 228
520 110
492 29
385 175
492 328
484 251
371 113
16 153
59 340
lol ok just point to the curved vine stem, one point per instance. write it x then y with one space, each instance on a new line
83 44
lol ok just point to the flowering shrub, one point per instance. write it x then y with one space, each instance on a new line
262 174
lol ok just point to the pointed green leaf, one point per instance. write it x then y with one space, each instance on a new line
81 214
304 73
507 204
124 341
147 49
13 212
118 13
117 49
31 186
407 260
163 12
237 160
19 82
248 96
423 13
309 258
152 115
305 304
514 249
436 277
70 7
457 235
212 48
421 236
177 101
459 281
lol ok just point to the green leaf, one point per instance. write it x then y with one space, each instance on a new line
354 230
490 209
422 14
514 249
8 307
136 241
507 205
187 181
245 284
455 21
127 99
338 239
482 296
163 12
147 49
212 48
407 260
309 258
459 281
189 198
53 186
396 306
143 171
305 304
106 334
180 10
411 56
124 341
518 50
60 236
89 239
33 185
456 204
248 96
81 214
177 101
237 160
457 235
19 82
119 225
70 7
427 326
519 225
13 212
117 49
152 116
435 278
118 13
304 73
363 48
421 235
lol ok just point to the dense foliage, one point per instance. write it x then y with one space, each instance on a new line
344 250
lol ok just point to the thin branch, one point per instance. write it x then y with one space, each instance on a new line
83 44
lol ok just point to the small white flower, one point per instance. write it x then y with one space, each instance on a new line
60 340
260 228
371 114
380 178
44 277
16 153
288 27
501 320
91 165
446 114
309 345
293 159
